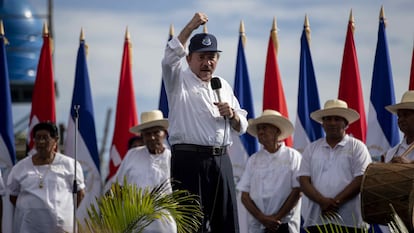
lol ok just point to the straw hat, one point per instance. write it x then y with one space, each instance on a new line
274 118
149 120
335 107
407 102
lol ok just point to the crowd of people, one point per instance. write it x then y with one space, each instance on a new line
279 186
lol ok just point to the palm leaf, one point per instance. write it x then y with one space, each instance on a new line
129 209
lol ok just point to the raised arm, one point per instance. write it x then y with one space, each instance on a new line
197 20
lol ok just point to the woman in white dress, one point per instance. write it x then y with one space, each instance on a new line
41 186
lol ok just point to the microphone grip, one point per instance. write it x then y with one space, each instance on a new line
219 99
218 95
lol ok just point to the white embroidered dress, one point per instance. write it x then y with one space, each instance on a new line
44 204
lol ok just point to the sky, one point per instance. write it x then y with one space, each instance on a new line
104 23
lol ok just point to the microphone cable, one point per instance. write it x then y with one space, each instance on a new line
216 84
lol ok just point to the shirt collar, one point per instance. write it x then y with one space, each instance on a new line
341 143
282 145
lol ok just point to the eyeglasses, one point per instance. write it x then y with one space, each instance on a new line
39 138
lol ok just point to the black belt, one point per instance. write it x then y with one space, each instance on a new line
211 150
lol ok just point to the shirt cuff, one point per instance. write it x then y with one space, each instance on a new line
176 45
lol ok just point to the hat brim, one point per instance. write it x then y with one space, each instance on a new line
206 50
139 128
394 108
349 114
280 122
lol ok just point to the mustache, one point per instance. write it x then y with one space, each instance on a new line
205 68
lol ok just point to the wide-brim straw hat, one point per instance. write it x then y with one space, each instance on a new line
407 102
335 107
150 119
274 118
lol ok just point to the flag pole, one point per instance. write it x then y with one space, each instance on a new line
273 33
75 186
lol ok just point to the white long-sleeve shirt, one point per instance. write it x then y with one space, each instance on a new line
193 117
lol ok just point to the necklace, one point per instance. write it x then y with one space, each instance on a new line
41 176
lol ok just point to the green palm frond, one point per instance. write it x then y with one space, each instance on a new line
396 225
332 222
128 209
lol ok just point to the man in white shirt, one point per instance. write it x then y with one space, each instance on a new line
149 165
403 152
331 172
269 185
200 122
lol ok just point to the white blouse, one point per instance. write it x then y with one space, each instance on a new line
44 194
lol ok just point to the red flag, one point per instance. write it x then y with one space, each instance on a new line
126 111
273 94
350 89
43 98
411 87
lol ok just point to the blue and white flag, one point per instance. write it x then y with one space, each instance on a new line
306 129
245 145
163 101
243 93
7 149
86 150
382 131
